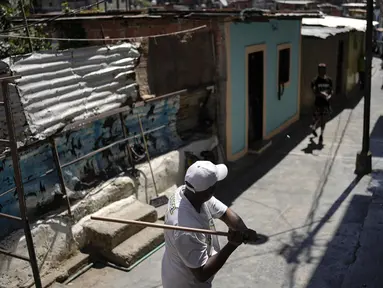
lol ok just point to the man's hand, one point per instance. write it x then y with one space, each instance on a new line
250 236
245 236
235 238
326 96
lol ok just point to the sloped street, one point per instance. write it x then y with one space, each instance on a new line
324 224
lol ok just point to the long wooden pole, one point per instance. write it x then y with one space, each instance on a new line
162 226
147 153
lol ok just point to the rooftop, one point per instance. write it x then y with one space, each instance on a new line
354 4
331 25
295 2
337 22
323 32
328 5
234 14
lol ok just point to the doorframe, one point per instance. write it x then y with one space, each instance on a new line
249 50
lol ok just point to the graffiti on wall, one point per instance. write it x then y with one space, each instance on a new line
43 193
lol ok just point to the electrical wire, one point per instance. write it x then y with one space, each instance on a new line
101 39
75 11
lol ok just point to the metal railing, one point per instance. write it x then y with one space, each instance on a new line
58 166
12 144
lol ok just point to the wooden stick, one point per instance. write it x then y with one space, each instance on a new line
162 226
147 154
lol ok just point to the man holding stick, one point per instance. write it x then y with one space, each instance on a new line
192 259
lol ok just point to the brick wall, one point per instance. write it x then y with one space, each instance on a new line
113 28
121 28
124 28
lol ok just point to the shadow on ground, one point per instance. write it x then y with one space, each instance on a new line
254 168
312 146
341 250
301 250
248 170
352 258
376 141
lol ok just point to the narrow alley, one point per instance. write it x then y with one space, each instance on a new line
102 122
309 202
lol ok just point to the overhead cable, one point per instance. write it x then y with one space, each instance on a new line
15 36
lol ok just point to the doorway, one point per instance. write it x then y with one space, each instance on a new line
339 68
255 89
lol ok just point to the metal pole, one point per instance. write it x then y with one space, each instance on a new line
19 186
90 154
26 26
127 146
367 97
364 159
147 153
56 160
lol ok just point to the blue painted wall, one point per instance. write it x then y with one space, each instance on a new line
40 191
278 111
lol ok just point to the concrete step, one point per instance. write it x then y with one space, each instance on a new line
59 285
137 246
104 236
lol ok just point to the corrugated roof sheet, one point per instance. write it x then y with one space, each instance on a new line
295 2
57 88
354 5
322 32
298 14
334 21
235 14
328 5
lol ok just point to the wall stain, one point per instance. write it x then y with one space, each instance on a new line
168 119
43 193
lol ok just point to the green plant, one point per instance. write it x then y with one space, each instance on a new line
91 10
144 3
65 7
16 46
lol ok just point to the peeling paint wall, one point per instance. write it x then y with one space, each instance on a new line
171 122
355 48
43 193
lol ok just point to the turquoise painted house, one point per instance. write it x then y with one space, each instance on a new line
262 80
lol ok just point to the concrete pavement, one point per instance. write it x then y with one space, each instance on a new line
323 223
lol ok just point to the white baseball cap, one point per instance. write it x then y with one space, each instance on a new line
204 174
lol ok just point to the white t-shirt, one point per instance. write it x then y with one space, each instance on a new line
188 249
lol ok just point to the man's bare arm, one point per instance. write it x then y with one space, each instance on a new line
233 221
214 264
